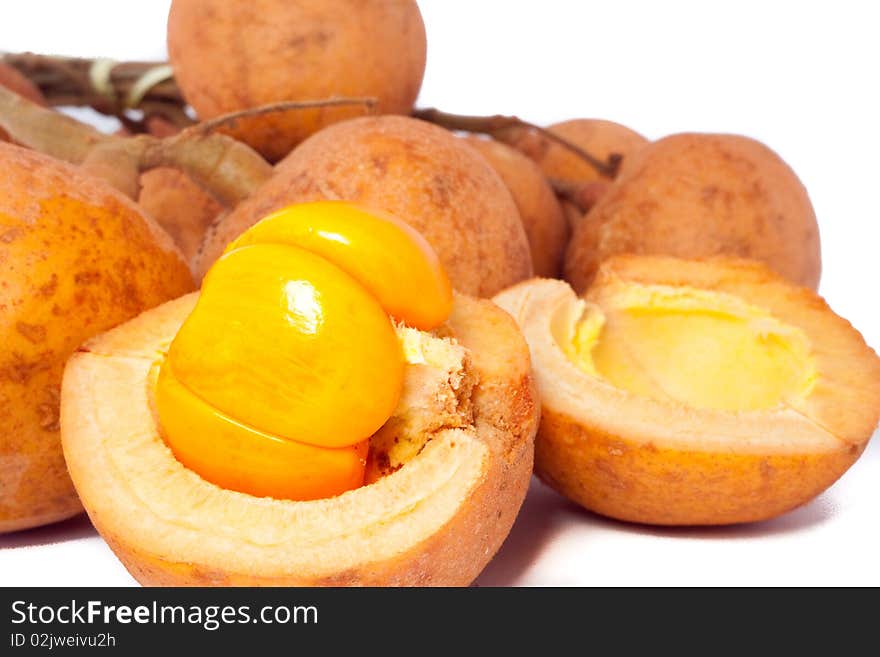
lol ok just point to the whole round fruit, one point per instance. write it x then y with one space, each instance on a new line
231 55
695 195
416 171
179 205
76 258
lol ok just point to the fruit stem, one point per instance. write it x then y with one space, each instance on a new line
46 131
229 120
107 87
504 128
583 195
227 169
115 88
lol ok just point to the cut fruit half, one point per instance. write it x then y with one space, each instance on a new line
437 520
694 392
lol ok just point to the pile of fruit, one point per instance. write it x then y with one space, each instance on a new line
403 313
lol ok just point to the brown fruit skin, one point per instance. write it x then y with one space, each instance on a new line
661 486
76 258
621 455
414 170
180 206
697 195
15 81
598 137
230 55
542 217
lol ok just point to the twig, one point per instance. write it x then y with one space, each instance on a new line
68 81
227 169
583 195
229 120
500 127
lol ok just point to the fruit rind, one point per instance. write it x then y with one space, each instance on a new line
436 521
642 460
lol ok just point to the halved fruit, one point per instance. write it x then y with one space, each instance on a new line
694 392
437 520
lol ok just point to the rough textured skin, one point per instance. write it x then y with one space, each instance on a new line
15 81
697 195
180 206
506 417
76 258
230 55
596 136
664 463
414 170
546 227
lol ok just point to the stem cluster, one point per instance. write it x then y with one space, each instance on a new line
137 92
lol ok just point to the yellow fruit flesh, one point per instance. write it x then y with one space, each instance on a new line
384 254
274 343
290 360
252 461
699 348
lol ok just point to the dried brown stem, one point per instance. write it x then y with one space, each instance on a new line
504 128
229 120
46 131
66 81
583 195
227 169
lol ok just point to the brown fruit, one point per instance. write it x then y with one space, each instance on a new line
231 55
170 197
694 392
598 137
15 81
541 214
417 172
180 206
697 195
76 258
437 520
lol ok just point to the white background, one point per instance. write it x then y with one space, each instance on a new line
800 76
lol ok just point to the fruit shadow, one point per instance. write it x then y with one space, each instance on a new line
67 530
545 514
